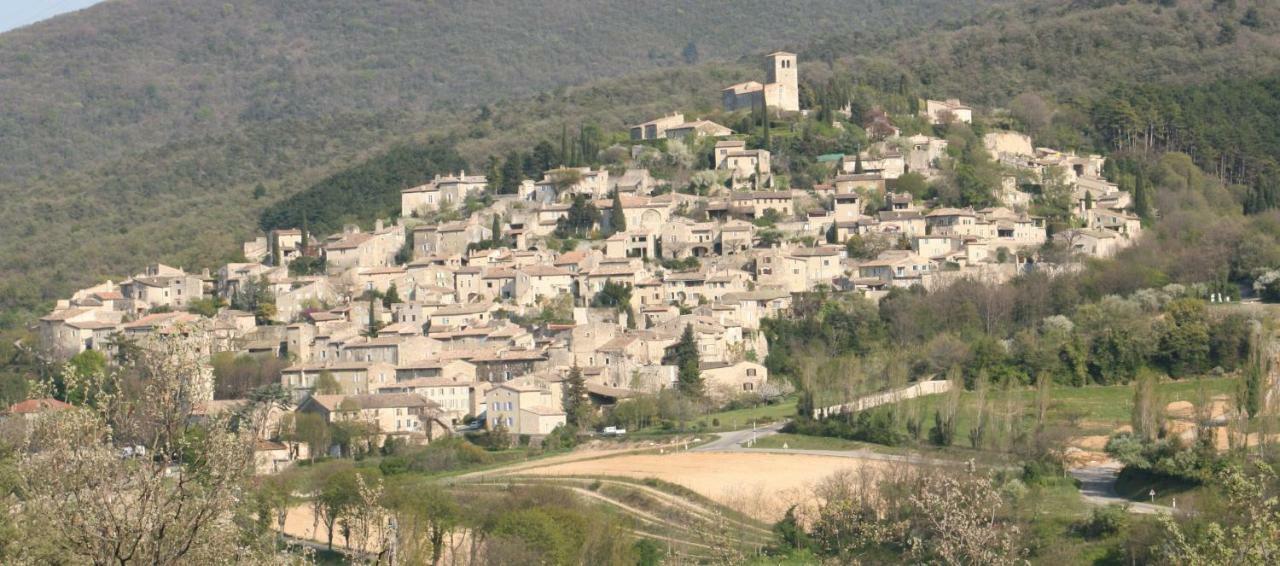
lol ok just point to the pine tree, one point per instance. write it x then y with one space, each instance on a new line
617 218
690 53
684 355
577 406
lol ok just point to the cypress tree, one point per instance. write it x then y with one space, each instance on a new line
1141 203
577 406
372 331
764 122
275 249
617 219
496 229
494 174
684 355
1255 376
564 144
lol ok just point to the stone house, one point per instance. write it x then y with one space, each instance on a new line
293 299
754 306
526 406
161 286
394 350
449 190
847 207
657 128
354 378
406 416
1091 242
799 269
504 365
353 248
901 223
460 316
698 129
858 182
724 381
901 269
743 164
70 330
454 398
754 204
950 110
537 282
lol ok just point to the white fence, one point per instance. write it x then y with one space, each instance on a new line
877 399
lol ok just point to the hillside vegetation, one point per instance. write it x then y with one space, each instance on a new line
147 131
138 130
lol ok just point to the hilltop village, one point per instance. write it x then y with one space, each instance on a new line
476 309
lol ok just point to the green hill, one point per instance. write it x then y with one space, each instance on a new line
138 130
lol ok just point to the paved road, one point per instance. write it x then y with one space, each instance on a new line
737 440
733 441
1098 486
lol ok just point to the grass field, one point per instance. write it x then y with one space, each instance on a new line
1095 410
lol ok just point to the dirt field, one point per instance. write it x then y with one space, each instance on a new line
760 485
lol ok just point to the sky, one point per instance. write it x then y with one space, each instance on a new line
18 13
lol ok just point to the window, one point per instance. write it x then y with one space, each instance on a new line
751 372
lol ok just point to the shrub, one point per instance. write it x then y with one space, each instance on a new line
879 426
1103 522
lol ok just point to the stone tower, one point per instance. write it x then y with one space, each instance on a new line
782 90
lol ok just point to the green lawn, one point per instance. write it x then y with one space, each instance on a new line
730 420
742 418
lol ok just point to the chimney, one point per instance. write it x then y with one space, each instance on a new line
377 225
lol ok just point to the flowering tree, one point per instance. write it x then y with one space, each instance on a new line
125 477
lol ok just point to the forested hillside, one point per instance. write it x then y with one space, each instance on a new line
141 130
1076 49
131 74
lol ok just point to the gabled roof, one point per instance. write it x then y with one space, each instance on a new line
37 406
375 401
540 270
474 308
